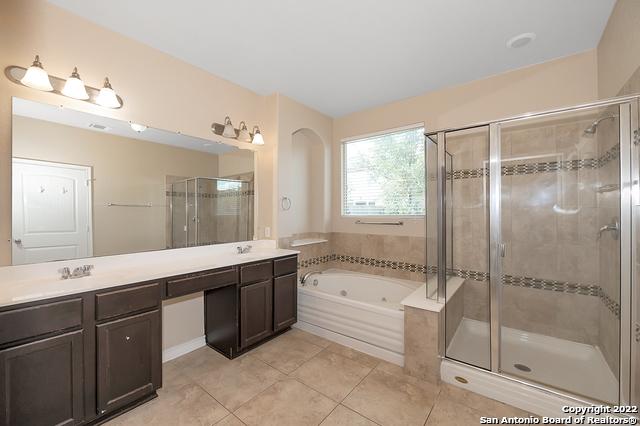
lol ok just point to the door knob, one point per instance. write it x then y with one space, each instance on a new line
18 241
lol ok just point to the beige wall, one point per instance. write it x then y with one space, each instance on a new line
235 163
125 171
562 82
619 48
292 117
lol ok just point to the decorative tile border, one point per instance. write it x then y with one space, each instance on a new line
512 280
542 167
222 194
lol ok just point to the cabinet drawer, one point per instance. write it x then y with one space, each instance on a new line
256 272
133 299
37 320
285 266
201 282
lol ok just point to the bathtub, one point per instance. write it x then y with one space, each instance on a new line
358 310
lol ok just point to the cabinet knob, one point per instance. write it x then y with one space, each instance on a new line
127 338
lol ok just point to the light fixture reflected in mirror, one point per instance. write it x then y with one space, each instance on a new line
257 136
137 127
36 77
229 131
107 96
243 133
74 87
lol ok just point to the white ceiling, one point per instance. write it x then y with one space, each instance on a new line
83 120
341 56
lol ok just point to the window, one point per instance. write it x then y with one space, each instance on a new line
383 175
228 197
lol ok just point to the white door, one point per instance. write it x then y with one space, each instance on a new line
51 211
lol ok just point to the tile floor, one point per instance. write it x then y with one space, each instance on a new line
301 379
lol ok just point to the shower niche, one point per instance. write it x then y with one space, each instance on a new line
208 211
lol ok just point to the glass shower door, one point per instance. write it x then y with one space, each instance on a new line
556 234
467 336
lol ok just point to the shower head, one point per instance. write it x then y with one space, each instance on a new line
593 128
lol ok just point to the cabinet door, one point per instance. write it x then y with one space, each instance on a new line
42 382
285 301
256 320
129 360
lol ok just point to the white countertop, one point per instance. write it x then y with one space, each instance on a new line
28 283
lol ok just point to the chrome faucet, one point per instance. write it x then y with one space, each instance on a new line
243 250
303 279
79 272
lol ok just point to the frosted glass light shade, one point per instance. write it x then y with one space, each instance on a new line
257 137
36 77
229 131
74 87
107 96
243 134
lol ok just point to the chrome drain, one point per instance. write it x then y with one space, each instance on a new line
522 367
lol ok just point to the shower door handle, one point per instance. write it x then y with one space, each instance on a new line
502 249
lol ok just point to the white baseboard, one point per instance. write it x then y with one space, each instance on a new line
350 342
183 348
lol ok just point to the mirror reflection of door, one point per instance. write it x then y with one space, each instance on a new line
51 211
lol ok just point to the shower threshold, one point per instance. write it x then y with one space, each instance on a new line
569 366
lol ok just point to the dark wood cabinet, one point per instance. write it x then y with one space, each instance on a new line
42 382
285 301
129 362
256 320
88 357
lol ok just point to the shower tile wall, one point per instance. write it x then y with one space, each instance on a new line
549 225
609 255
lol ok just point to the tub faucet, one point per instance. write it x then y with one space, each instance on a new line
303 279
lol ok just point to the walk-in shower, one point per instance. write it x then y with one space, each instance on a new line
211 211
537 214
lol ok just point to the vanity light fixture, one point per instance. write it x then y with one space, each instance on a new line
229 131
74 87
107 96
36 77
257 136
137 127
243 133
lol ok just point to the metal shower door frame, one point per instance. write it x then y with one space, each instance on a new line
629 197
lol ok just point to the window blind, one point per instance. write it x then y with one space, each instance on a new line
383 175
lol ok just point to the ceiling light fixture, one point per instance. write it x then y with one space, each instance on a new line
243 133
74 87
257 136
107 96
229 131
520 40
36 77
137 127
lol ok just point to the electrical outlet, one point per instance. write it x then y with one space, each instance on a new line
267 232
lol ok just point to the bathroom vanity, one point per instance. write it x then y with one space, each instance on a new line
84 350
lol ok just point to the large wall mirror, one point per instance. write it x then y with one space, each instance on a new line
85 185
